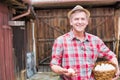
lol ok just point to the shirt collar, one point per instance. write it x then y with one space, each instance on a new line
72 36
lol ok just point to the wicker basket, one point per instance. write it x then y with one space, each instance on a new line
104 75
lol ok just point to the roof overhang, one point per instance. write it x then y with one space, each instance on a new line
69 3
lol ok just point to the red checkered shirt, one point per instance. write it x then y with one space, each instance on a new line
69 52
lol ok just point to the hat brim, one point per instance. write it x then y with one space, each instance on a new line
84 10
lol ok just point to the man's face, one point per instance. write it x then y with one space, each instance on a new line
79 21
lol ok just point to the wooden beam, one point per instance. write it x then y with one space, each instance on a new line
118 38
45 40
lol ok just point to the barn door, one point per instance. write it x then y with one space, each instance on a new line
52 23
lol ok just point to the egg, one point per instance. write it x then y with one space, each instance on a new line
104 67
97 68
70 70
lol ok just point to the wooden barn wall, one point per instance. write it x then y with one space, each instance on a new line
54 22
6 48
29 37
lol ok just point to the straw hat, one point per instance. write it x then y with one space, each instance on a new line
77 8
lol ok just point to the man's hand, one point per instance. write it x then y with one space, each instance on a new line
117 75
59 70
71 73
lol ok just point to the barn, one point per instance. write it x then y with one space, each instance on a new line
28 29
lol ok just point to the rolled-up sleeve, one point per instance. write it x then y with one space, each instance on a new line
57 50
104 51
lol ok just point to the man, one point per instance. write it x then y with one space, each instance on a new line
74 54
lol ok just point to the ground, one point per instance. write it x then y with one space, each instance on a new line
45 76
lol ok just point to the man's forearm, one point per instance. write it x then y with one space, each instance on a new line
58 69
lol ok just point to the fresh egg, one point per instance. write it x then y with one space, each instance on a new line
104 67
97 68
70 70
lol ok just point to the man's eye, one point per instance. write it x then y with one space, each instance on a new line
82 18
76 19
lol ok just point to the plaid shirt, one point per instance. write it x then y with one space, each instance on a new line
70 52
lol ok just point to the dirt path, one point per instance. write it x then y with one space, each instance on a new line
44 76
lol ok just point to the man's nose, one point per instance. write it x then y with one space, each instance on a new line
80 21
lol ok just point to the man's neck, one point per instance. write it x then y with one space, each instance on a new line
79 35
